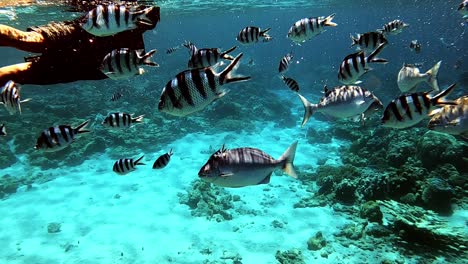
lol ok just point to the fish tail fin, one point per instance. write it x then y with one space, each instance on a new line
225 54
170 152
226 76
309 109
137 162
354 40
80 128
23 101
328 21
138 119
432 74
373 56
146 58
264 32
438 99
288 158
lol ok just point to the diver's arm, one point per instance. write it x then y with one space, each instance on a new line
19 73
28 41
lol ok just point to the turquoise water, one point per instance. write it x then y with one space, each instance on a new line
70 207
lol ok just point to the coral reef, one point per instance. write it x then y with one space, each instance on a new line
316 242
371 211
54 227
292 256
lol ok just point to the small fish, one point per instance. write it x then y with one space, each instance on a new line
342 102
116 96
206 57
355 65
463 9
124 166
267 38
59 137
284 63
163 160
416 46
125 63
291 83
251 62
393 27
251 35
409 77
192 90
308 28
245 166
10 97
107 20
408 110
3 130
121 120
452 119
173 49
369 41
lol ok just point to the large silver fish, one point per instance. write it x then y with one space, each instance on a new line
452 119
409 77
342 102
308 28
192 90
245 166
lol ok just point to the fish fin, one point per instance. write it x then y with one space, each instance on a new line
25 100
288 159
226 76
372 57
222 93
3 130
225 54
358 82
360 102
354 40
137 162
432 74
309 109
140 71
79 129
170 152
226 174
266 180
438 98
264 32
454 122
146 59
138 119
328 21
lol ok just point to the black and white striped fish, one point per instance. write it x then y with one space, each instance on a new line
121 120
124 63
356 64
107 20
291 83
116 96
308 28
193 90
206 57
369 41
452 119
172 49
342 102
415 45
3 130
245 166
463 9
408 110
284 63
267 38
163 160
124 166
251 35
59 137
393 27
10 97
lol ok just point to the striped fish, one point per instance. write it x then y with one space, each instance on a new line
369 41
124 166
121 120
173 49
408 110
393 27
125 63
308 28
342 102
463 9
452 119
251 35
267 38
415 45
116 96
284 63
193 90
59 137
409 77
356 64
291 83
10 97
201 58
107 20
163 160
245 166
3 130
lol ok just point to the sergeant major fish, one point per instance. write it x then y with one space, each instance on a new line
193 90
308 28
251 35
10 97
116 96
245 166
408 110
163 160
125 63
355 65
393 27
291 83
415 45
121 120
107 20
124 166
452 119
59 137
409 77
342 102
206 57
369 41
284 63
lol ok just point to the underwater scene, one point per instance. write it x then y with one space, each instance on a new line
222 132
